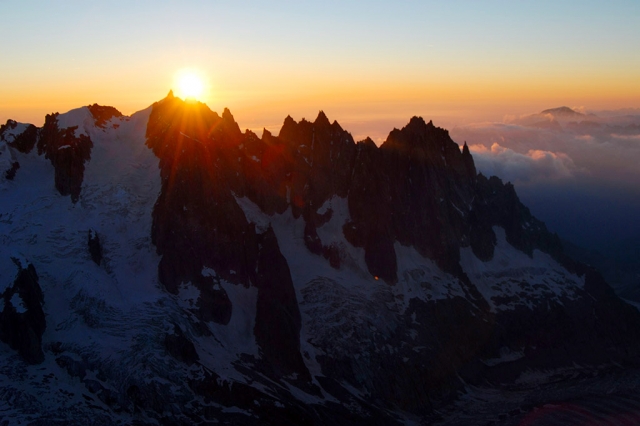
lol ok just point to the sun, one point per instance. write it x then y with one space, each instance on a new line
190 85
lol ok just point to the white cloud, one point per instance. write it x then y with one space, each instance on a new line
539 147
534 165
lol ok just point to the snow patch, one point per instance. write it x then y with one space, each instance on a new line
208 272
514 279
10 135
420 277
18 303
253 214
80 117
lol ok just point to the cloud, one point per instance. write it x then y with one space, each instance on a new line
577 172
534 165
626 137
538 148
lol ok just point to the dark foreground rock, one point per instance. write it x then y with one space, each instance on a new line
22 321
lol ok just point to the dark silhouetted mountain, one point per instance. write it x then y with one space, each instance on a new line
302 278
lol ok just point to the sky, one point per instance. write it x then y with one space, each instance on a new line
578 173
358 61
473 67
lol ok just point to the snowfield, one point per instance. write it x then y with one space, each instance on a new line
107 324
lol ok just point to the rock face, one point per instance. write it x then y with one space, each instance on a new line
95 248
302 278
180 347
21 139
277 328
67 153
22 320
102 114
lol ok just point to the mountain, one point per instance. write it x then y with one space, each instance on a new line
560 118
168 268
563 112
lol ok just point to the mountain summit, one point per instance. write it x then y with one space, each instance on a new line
563 112
169 268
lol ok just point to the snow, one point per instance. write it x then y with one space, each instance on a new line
325 207
208 272
514 279
419 277
506 355
116 315
253 214
10 135
80 117
332 301
18 303
121 184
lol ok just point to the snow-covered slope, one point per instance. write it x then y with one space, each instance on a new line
189 283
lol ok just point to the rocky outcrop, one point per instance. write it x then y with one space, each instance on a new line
419 189
11 173
180 347
197 222
23 140
101 114
272 315
277 327
198 226
67 152
22 320
95 248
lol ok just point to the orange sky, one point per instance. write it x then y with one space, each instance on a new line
388 62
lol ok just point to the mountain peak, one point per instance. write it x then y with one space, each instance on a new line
563 111
321 119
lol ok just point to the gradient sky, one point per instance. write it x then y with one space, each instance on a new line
358 61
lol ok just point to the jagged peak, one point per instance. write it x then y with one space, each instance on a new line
367 142
415 120
288 128
321 119
229 122
226 115
465 149
170 94
289 120
266 134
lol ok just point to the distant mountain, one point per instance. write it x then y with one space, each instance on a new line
557 118
564 112
169 268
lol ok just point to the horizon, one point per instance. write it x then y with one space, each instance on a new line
475 70
462 63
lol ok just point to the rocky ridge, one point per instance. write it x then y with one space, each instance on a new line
304 277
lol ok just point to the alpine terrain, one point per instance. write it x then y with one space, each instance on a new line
168 268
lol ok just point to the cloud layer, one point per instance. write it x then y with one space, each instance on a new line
517 167
577 171
558 145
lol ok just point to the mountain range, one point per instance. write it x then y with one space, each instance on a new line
168 268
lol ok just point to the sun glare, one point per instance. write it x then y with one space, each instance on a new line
190 85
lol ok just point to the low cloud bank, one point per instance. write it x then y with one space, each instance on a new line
535 164
559 143
578 171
